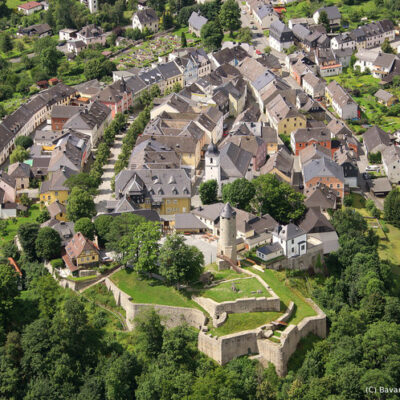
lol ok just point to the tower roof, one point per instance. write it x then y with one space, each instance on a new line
227 211
212 148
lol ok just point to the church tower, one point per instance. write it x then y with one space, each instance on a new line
227 237
213 166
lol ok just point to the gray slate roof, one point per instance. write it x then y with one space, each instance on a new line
323 167
197 21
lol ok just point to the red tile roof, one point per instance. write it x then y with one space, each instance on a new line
14 264
29 5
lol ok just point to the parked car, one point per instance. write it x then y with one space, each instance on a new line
372 168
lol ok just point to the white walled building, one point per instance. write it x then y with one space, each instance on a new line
213 165
292 239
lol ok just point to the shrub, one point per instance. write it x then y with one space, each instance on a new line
57 263
348 201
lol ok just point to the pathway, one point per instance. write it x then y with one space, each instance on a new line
105 193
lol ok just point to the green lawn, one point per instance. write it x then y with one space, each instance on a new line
224 274
305 344
13 3
243 322
224 292
279 284
150 291
12 227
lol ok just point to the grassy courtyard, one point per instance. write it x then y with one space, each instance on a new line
243 322
280 285
13 225
150 291
245 288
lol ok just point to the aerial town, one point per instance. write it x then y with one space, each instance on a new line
199 200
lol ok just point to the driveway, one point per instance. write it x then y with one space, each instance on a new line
105 192
209 249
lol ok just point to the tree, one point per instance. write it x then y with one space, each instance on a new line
277 199
9 249
102 225
80 205
5 43
348 201
183 39
229 16
19 154
24 141
392 207
179 262
386 47
212 35
3 227
86 227
49 60
8 291
208 191
27 234
148 334
48 243
244 35
239 193
324 20
43 216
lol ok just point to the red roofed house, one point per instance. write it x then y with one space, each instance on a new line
80 252
30 7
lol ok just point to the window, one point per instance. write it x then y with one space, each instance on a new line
302 247
338 185
292 249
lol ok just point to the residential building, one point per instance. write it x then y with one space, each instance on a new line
391 163
54 189
316 225
91 34
146 18
301 138
383 65
327 63
348 162
30 115
168 191
57 211
117 97
196 22
91 120
333 14
343 56
341 101
283 116
29 8
38 30
64 229
314 86
172 76
291 238
326 172
60 115
385 98
233 56
81 253
22 174
380 187
67 34
338 129
280 36
365 60
279 164
375 140
264 15
8 185
321 197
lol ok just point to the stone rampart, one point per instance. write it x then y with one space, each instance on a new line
226 348
251 304
171 316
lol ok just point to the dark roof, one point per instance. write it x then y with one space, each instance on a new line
19 170
320 196
315 221
374 137
227 211
227 55
380 185
188 221
148 15
332 12
270 248
323 167
197 21
288 232
234 161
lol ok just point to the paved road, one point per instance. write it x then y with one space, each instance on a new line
18 59
105 191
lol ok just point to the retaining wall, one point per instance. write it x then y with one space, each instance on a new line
251 304
173 316
224 349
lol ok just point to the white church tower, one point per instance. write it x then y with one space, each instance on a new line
213 165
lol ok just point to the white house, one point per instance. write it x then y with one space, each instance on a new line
264 15
291 238
365 60
30 7
391 163
92 5
67 34
146 18
332 12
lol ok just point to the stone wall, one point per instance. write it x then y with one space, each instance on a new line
226 348
171 316
251 304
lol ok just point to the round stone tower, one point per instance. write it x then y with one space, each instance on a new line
227 238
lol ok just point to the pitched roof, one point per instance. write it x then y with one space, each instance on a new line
288 232
146 16
234 161
309 134
332 12
29 5
320 196
282 161
374 137
339 95
78 244
197 21
188 221
19 170
56 182
323 167
56 208
89 117
383 95
312 152
315 221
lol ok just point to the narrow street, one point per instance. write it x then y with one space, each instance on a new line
105 192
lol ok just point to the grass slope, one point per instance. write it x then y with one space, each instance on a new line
305 344
276 280
150 291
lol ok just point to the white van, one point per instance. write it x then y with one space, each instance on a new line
372 168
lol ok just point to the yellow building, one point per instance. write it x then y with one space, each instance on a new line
57 211
81 253
54 189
